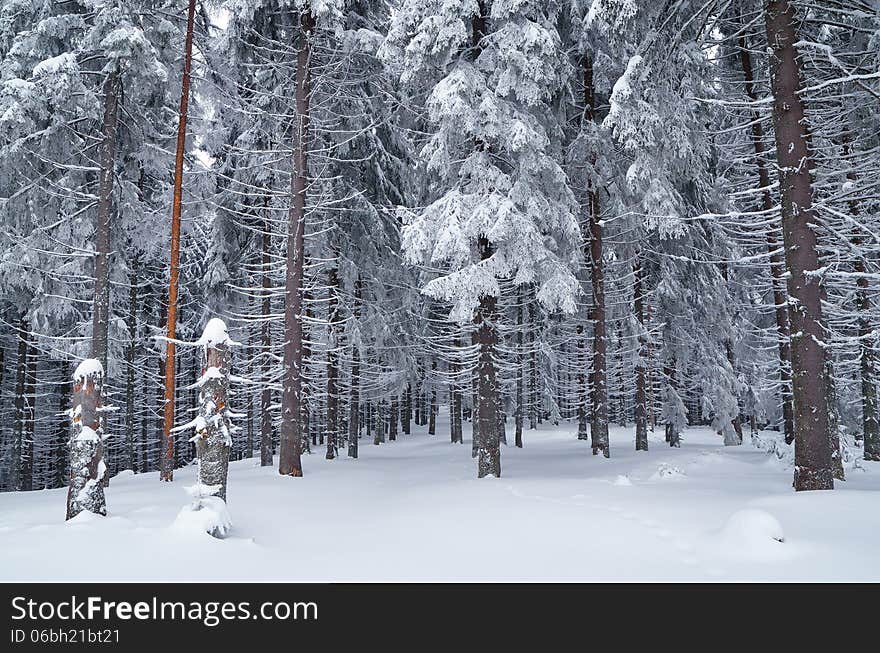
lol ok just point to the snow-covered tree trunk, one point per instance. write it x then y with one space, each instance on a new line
777 264
641 406
166 456
290 461
213 436
87 469
393 417
813 469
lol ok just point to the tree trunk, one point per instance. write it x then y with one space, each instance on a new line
130 368
599 421
534 396
332 394
166 456
13 481
520 373
407 410
266 450
85 489
812 439
432 407
290 462
777 265
641 407
30 400
61 436
488 445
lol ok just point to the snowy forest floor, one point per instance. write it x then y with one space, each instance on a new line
412 510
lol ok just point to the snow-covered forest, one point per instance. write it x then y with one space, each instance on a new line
294 233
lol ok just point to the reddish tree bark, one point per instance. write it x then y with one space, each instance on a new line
166 456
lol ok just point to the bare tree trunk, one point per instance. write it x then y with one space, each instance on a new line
61 436
30 400
488 446
290 462
354 413
166 456
13 481
534 397
812 438
85 489
130 367
266 450
432 406
520 372
332 394
777 265
641 408
405 424
599 421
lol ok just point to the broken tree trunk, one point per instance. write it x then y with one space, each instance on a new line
85 490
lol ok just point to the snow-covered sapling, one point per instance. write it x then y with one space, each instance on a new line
87 468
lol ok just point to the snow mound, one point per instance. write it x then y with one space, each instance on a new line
622 480
665 471
204 515
752 533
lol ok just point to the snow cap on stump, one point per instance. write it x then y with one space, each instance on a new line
215 333
88 367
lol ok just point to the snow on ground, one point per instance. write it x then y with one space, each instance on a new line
412 510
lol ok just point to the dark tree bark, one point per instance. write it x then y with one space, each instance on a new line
332 393
101 306
30 401
13 481
488 446
455 426
520 372
354 428
290 462
407 410
777 265
392 419
432 407
641 407
166 457
599 415
812 438
130 353
534 396
60 462
266 450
